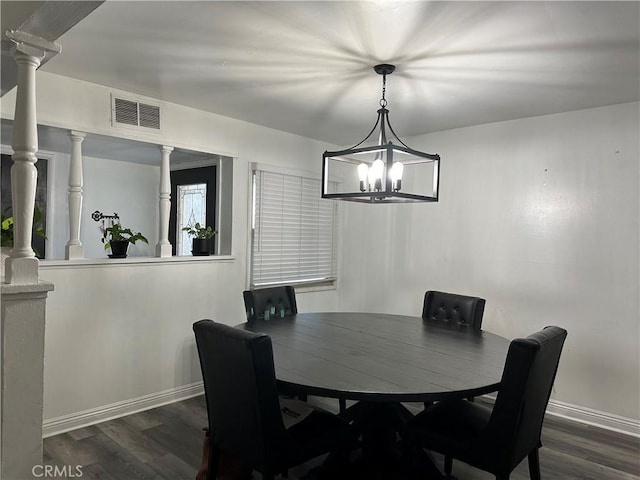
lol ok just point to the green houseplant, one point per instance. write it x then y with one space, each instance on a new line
6 239
118 239
201 239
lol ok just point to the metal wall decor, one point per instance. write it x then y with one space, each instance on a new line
111 219
385 172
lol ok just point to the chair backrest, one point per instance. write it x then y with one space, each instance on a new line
278 301
529 372
241 393
453 309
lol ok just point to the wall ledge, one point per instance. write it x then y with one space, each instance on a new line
133 261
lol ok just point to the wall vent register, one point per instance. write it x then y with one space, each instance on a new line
131 113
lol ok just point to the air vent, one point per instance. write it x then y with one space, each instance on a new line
130 113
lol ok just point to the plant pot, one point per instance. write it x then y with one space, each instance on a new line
119 248
201 247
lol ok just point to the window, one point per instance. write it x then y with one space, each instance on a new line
38 242
293 231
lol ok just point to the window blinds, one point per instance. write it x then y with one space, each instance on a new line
293 231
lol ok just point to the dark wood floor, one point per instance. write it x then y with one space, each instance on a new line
166 444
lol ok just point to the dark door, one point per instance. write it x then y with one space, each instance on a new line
192 176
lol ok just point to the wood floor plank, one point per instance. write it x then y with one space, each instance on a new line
166 444
134 441
170 467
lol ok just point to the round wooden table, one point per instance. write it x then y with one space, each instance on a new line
381 360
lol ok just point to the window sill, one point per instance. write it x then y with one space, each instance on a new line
315 288
107 262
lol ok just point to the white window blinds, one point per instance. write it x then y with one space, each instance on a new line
293 231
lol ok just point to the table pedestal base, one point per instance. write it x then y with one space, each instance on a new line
383 454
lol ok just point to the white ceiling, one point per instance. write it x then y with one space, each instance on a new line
306 67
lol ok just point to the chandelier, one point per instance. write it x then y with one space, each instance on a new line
385 172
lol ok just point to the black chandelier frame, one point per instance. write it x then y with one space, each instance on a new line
388 191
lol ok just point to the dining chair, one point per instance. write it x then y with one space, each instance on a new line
453 309
278 302
270 302
496 440
246 418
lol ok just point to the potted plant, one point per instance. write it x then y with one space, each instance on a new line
201 239
118 239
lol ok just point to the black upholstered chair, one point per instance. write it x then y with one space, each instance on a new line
453 309
457 311
246 419
278 301
497 440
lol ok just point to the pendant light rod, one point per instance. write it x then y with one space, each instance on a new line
382 121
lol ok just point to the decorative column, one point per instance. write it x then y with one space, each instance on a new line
23 306
74 249
28 51
163 248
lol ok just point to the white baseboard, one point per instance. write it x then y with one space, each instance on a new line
65 423
588 416
597 418
85 418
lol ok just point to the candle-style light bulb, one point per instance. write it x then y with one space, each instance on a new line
396 175
363 171
377 170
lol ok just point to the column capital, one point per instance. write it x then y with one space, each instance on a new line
31 45
166 148
77 135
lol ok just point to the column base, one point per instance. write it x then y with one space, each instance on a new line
163 250
74 252
22 372
21 270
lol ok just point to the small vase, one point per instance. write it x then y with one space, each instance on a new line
119 248
201 247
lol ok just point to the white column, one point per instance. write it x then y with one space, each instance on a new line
163 248
23 306
74 249
22 265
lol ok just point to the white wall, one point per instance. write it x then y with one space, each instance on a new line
136 202
555 246
540 217
119 332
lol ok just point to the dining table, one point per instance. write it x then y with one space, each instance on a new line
378 361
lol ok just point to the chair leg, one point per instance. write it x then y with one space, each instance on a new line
534 465
448 464
343 404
